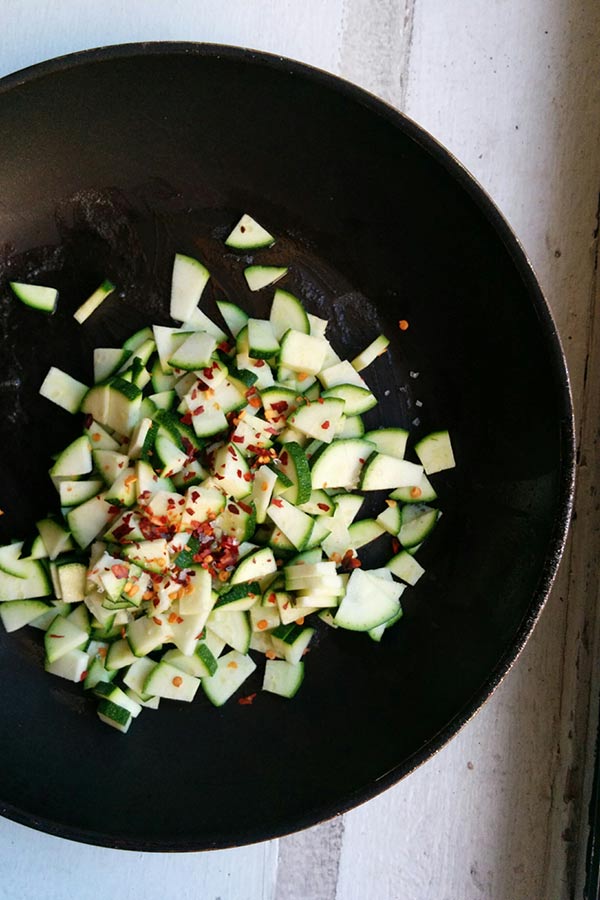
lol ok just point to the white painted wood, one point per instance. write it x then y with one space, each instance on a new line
35 866
512 88
31 31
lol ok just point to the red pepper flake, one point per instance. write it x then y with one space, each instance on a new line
119 570
395 545
113 510
190 510
186 419
177 681
56 636
247 476
320 400
247 701
247 509
84 675
254 402
208 373
237 438
272 598
259 363
156 620
88 421
284 458
324 507
224 346
403 325
361 461
278 502
233 509
123 633
326 424
280 406
220 477
188 476
239 473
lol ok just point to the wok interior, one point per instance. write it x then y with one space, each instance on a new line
107 169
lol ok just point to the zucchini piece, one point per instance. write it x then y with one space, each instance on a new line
108 361
94 301
287 312
294 465
364 532
249 235
283 678
404 566
61 637
232 626
114 715
339 464
76 459
302 352
291 641
391 441
383 472
235 318
232 670
255 566
422 493
262 342
73 666
138 338
376 348
340 373
17 613
171 683
258 277
296 525
36 296
62 389
369 601
418 520
319 420
194 353
435 452
188 280
357 399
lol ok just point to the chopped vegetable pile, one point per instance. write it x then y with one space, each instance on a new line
210 507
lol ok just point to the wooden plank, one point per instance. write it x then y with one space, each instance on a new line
512 89
32 31
35 865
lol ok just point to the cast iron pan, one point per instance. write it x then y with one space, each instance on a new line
110 161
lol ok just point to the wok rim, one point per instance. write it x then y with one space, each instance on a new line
557 361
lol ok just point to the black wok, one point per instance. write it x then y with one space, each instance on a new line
109 162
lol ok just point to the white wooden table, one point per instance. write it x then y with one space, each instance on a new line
513 89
